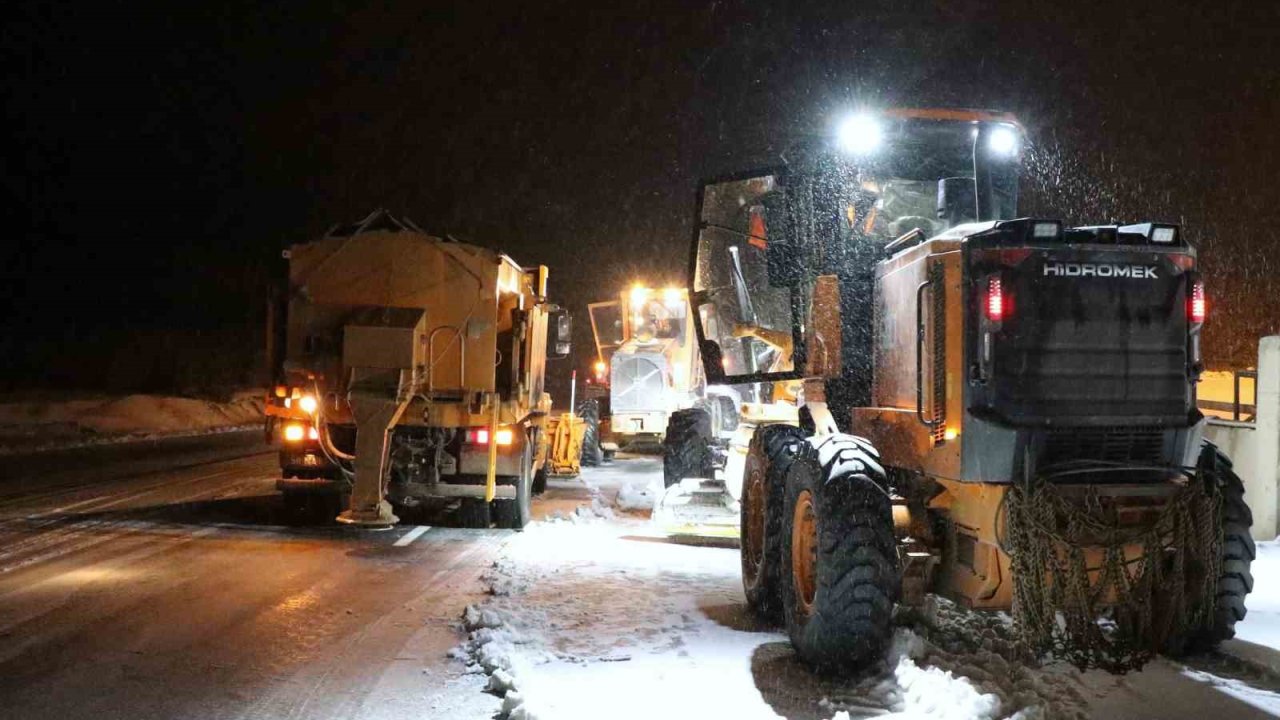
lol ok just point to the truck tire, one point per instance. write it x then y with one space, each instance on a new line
1238 551
773 449
686 449
540 481
840 574
474 513
515 514
592 455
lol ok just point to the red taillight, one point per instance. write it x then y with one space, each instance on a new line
480 436
995 299
1197 308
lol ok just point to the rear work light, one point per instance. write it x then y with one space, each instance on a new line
1197 308
995 299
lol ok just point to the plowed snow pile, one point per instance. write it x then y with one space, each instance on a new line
600 619
36 424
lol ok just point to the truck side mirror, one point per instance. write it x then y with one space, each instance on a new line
559 335
957 200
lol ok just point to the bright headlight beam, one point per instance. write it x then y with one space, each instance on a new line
1003 141
859 135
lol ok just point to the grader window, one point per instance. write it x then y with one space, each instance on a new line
755 320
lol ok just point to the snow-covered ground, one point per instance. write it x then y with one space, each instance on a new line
1262 623
594 614
42 424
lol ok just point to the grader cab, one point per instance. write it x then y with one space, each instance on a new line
996 409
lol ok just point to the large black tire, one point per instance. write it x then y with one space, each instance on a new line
1238 550
540 481
515 514
773 449
474 513
592 454
686 449
839 612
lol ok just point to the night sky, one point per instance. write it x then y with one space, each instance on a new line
160 156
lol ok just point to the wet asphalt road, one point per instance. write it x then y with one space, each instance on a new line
162 582
166 580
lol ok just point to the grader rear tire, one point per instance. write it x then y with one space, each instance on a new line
840 571
686 449
1238 551
773 449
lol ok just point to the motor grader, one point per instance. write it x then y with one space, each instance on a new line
411 371
997 409
647 357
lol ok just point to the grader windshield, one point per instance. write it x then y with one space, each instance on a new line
764 237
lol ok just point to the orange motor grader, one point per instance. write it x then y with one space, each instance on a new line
997 409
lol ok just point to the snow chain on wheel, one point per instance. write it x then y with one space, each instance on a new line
840 574
772 451
1185 591
686 449
1235 581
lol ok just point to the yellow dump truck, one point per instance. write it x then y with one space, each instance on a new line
410 370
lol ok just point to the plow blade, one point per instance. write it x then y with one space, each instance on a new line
697 508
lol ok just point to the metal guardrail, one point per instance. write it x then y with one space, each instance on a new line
1253 409
1240 411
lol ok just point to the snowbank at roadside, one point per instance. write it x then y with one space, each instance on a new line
584 613
44 424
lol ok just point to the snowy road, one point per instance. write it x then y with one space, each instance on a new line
164 582
603 617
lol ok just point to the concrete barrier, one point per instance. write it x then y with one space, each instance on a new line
1254 447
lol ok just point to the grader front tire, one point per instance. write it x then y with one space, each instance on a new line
686 449
773 449
840 570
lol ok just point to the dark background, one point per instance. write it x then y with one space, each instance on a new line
159 156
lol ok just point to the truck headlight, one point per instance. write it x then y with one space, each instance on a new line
294 432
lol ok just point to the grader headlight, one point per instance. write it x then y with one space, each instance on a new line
859 135
1003 141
